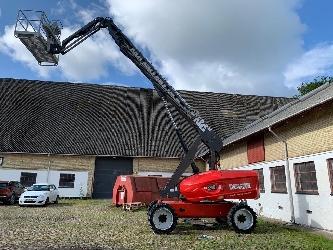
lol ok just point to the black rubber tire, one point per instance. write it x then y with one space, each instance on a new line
12 199
56 201
232 220
156 207
46 202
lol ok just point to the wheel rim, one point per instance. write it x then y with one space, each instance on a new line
163 218
243 219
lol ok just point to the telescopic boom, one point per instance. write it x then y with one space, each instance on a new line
52 47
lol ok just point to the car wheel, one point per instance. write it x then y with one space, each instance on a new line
56 200
46 202
12 199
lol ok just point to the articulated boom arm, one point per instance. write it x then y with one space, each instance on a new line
164 89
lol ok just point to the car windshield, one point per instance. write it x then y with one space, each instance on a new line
3 185
39 188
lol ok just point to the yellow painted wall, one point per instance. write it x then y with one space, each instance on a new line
309 133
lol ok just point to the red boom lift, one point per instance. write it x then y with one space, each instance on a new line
202 195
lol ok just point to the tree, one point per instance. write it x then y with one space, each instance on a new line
307 87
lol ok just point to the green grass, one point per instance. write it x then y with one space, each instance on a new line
96 224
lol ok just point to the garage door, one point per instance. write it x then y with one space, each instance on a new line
106 171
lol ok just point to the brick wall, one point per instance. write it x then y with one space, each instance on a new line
234 155
85 163
160 164
309 133
56 162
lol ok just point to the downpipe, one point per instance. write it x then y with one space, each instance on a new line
290 194
48 168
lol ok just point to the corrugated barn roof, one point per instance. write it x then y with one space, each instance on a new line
90 119
316 97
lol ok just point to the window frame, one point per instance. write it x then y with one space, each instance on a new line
298 181
32 174
330 173
261 177
66 185
273 180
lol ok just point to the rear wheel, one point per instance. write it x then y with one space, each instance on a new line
56 200
242 218
162 218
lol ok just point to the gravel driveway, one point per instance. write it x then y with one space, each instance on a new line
94 224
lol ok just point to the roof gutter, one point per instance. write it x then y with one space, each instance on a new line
287 171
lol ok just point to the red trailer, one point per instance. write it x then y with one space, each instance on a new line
131 189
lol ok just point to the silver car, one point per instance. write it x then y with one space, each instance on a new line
39 194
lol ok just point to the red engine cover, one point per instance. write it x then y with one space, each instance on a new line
216 185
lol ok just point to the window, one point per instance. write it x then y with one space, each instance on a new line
305 178
330 173
66 180
261 180
255 150
278 179
28 179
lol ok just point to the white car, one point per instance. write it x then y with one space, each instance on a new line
39 194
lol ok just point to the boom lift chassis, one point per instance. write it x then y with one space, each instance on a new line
199 196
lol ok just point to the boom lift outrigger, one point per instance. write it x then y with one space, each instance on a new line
201 195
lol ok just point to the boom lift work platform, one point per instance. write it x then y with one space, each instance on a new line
210 194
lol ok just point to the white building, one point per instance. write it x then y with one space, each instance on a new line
298 137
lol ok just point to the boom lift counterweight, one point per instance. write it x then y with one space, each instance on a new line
201 195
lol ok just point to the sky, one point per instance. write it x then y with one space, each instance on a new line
261 47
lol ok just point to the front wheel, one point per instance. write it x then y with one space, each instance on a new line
11 200
56 200
46 202
242 218
162 218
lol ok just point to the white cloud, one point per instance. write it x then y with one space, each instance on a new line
17 51
315 62
217 45
89 61
115 84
